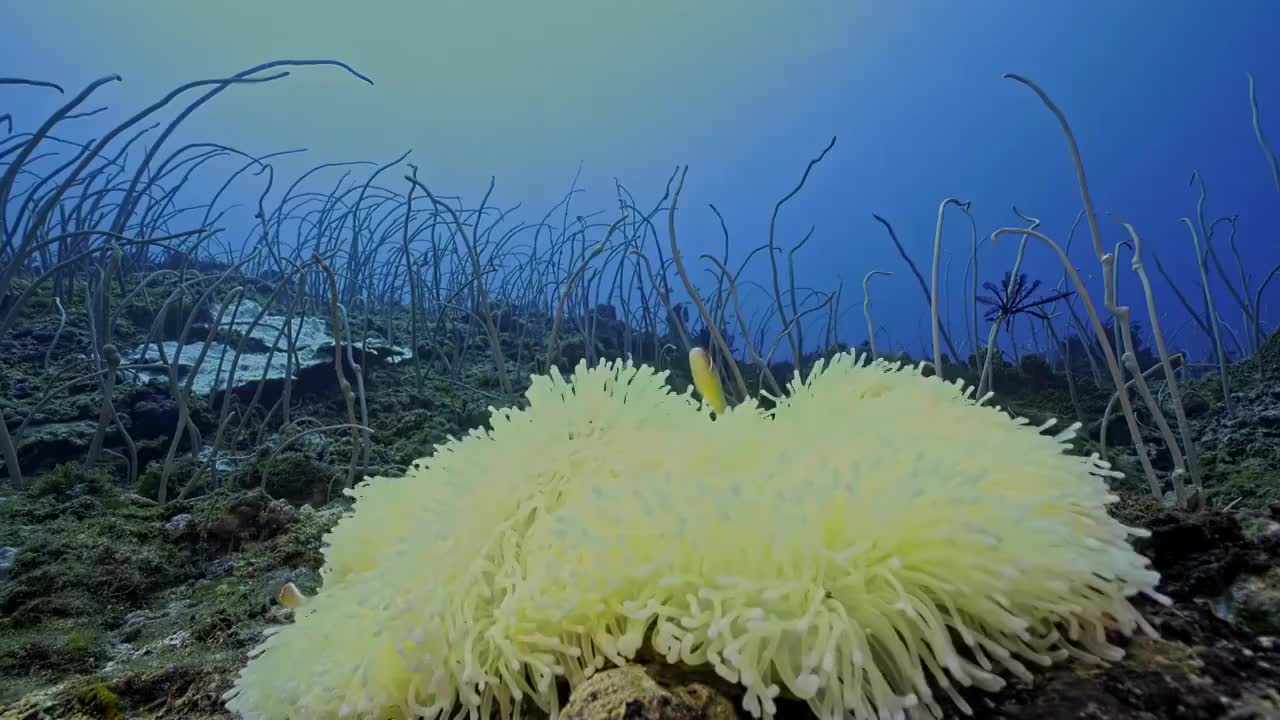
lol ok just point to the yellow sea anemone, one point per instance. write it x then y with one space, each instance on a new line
876 539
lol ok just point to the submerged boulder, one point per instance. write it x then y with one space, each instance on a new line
262 348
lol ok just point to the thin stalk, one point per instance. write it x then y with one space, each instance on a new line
1213 318
935 326
866 309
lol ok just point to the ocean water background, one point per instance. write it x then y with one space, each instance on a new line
745 93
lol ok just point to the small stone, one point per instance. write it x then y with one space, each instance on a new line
178 524
138 620
220 567
179 639
281 511
279 615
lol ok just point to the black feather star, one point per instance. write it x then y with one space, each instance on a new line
1015 298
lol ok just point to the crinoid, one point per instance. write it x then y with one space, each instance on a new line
1015 298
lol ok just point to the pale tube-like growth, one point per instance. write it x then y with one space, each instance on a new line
866 309
712 327
765 374
1175 394
985 377
933 289
1257 132
1257 302
1115 293
1124 341
1104 259
1113 365
1111 404
1214 324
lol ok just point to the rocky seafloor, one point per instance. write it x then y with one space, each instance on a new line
114 606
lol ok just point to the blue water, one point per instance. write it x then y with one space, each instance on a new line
745 94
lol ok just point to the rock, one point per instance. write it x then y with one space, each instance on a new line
1263 529
46 703
178 524
249 515
179 639
1255 602
279 615
152 411
1241 452
1200 555
43 446
7 556
138 620
220 567
314 347
632 693
280 512
30 342
293 476
1195 406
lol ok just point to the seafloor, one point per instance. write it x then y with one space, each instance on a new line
113 606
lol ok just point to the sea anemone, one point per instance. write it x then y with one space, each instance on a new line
875 539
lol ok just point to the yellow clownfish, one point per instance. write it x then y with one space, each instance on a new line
707 380
291 597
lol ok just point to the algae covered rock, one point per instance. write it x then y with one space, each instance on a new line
292 476
1255 602
44 445
261 348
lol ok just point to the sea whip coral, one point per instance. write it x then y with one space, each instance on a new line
872 542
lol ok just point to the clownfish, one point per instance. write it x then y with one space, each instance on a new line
291 597
707 380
